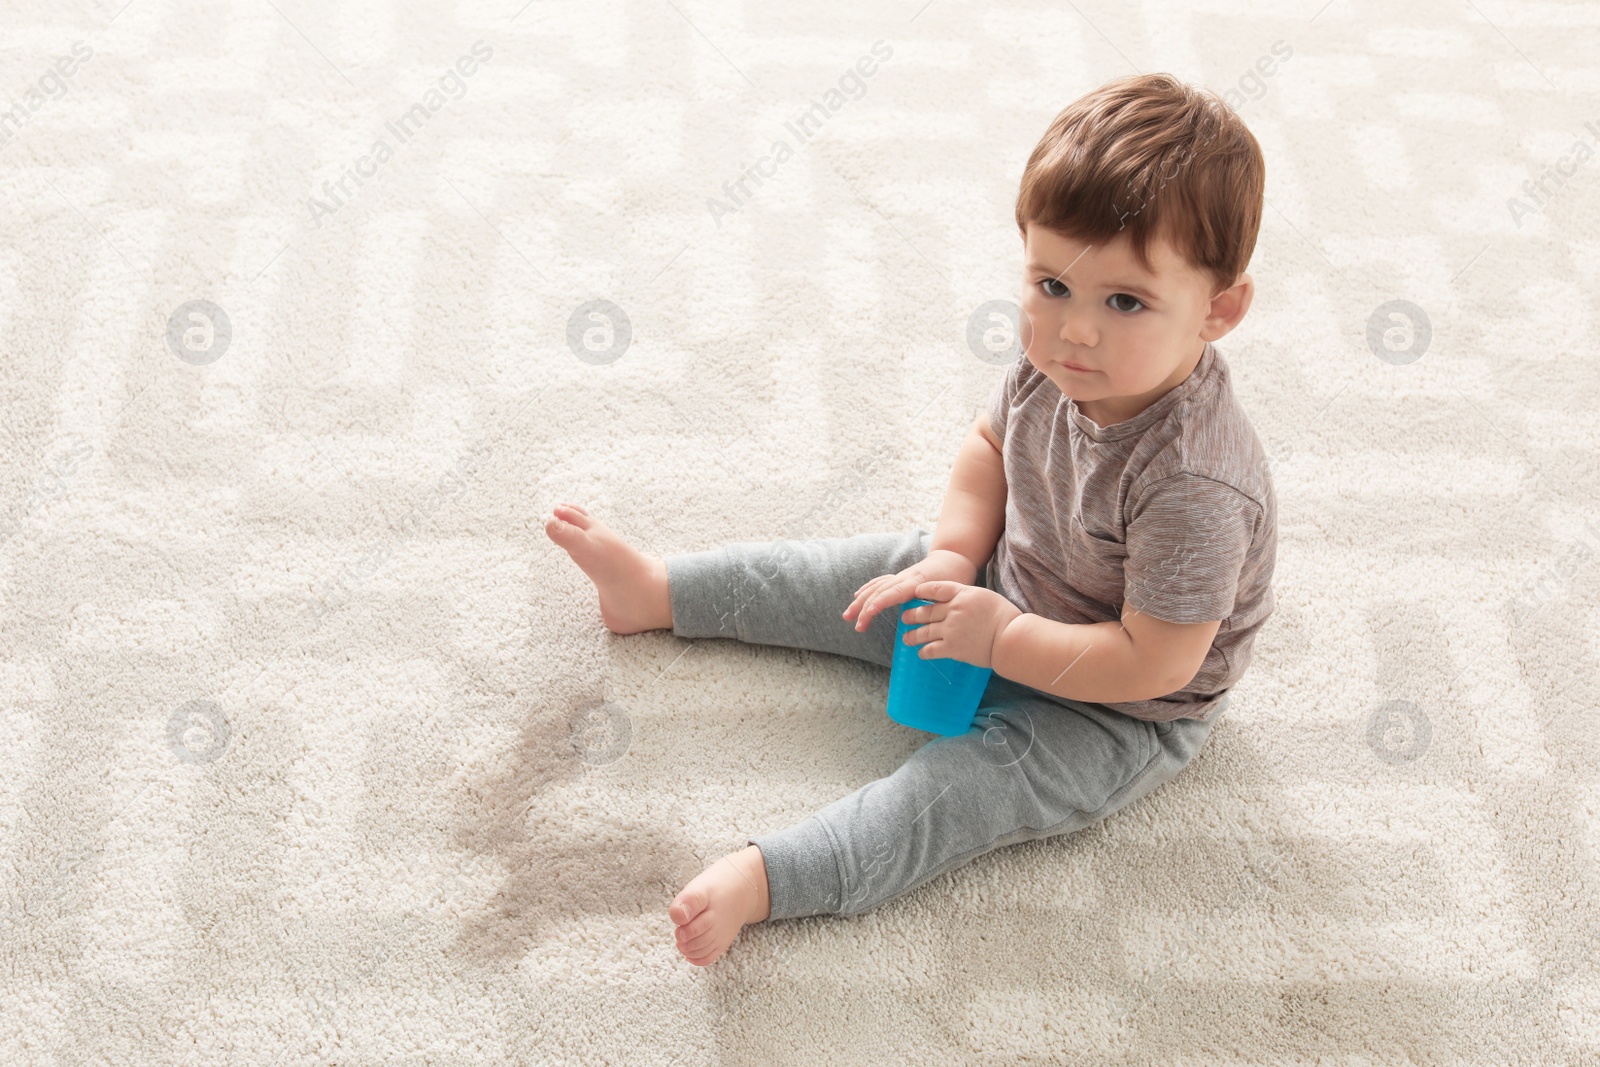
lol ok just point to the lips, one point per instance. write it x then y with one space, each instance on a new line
1069 366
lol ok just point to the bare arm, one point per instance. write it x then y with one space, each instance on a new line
969 527
1102 662
974 511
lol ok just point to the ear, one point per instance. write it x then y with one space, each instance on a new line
1227 309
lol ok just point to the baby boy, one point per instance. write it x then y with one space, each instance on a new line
1106 543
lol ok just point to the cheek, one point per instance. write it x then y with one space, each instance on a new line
1033 318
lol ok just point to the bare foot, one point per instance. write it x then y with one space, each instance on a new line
632 585
718 902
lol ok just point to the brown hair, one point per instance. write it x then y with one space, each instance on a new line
1152 155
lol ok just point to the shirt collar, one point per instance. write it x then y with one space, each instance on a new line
1152 414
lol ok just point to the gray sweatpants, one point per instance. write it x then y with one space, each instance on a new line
1031 765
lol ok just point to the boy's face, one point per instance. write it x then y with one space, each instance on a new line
1138 333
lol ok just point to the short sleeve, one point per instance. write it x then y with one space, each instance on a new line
1004 391
1187 544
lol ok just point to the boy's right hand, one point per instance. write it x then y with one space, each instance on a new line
888 590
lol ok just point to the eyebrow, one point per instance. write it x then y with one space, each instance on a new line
1137 290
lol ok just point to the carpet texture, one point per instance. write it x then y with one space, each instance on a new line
317 750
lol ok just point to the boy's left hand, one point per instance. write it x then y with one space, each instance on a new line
963 622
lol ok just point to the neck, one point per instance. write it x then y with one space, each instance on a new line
1133 405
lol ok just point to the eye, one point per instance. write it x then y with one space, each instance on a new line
1046 283
1126 296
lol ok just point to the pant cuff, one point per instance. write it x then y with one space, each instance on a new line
697 584
802 870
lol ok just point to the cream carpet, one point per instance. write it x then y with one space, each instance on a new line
318 752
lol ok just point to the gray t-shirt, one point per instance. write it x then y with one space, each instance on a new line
1172 510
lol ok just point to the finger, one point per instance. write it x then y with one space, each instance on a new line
893 598
870 607
862 595
937 591
884 596
876 579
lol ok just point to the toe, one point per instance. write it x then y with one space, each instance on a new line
573 516
562 533
691 930
687 905
699 947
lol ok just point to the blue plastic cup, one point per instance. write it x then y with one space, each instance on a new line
940 696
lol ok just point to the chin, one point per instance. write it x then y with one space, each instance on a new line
1067 382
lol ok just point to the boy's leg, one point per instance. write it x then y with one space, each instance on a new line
792 593
1029 767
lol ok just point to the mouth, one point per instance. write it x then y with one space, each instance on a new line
1072 367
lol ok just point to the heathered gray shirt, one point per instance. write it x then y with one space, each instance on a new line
1172 510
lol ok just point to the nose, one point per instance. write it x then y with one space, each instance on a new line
1077 327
